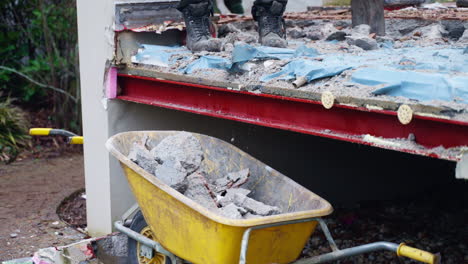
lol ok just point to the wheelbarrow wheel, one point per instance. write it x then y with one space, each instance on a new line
134 247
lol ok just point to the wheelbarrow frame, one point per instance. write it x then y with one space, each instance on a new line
336 254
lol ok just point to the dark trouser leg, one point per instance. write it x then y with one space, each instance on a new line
235 6
271 27
185 3
197 21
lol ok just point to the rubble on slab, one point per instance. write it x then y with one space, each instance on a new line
403 37
177 161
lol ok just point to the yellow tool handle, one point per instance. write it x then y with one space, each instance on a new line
39 131
76 140
417 254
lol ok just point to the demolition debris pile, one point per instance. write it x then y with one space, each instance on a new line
330 55
177 161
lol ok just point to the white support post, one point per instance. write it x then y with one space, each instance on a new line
95 34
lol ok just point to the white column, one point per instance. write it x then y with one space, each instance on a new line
95 19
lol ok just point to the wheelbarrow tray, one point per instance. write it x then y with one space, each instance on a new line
196 234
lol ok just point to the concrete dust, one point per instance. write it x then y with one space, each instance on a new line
177 161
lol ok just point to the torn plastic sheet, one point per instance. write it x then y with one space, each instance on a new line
309 69
207 62
243 53
414 85
157 55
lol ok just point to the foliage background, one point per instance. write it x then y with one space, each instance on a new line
39 61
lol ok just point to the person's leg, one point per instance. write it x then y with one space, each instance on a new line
271 27
197 22
235 6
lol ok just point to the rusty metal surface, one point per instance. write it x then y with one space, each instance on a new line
154 16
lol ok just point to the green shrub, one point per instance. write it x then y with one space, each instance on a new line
39 50
13 131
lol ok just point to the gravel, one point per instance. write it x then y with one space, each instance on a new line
435 222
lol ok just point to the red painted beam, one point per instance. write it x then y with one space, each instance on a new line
304 116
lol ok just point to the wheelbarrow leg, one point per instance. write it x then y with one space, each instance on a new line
146 241
246 236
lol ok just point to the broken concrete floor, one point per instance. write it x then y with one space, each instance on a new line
402 35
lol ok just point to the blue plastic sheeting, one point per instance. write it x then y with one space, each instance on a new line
311 70
243 53
158 55
415 85
207 62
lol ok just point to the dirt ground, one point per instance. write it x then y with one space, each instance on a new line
30 191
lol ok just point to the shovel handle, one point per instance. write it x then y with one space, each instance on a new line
417 254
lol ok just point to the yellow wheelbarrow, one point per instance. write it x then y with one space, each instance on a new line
172 228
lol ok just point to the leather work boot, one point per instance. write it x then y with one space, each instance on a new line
271 26
197 23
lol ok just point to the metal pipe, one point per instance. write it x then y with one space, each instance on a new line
339 254
246 236
144 240
300 81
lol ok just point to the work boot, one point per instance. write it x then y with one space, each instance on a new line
197 23
271 26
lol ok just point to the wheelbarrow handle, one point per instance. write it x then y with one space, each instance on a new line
417 254
72 137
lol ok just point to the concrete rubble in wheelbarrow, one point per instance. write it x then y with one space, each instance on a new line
178 162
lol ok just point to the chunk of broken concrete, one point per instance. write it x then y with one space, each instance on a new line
432 32
232 180
364 42
229 196
338 35
141 156
296 33
231 211
197 190
464 37
314 36
170 174
253 206
181 149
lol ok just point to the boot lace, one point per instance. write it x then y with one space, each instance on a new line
272 24
199 26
